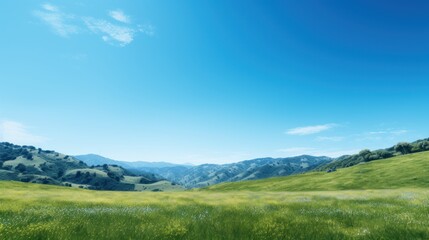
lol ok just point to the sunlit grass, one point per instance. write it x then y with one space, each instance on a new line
31 211
405 171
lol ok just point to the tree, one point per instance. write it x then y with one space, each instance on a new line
60 173
423 146
382 154
365 154
403 147
21 167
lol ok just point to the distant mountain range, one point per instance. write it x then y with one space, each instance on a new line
28 164
209 174
94 159
260 168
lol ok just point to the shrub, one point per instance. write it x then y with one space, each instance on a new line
21 168
403 148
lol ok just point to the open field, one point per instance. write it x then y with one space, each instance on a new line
32 211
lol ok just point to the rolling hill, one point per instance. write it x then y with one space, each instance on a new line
28 164
366 155
411 170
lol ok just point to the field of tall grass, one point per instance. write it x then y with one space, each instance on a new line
32 211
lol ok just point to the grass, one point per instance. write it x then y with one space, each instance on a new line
85 170
399 172
37 161
340 205
164 186
32 211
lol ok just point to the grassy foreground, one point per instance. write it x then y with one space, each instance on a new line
31 211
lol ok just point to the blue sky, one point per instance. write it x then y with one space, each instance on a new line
213 81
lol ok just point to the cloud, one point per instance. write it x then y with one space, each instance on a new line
329 139
110 32
18 133
147 29
57 20
301 131
120 16
399 132
49 7
64 24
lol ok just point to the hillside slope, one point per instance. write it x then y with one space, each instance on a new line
367 156
410 170
28 164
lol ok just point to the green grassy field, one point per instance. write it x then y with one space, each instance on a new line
34 211
398 172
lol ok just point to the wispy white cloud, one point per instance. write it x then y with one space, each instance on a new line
399 132
119 33
110 32
18 133
120 16
308 130
59 22
147 29
330 139
49 7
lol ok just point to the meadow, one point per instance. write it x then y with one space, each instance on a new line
34 211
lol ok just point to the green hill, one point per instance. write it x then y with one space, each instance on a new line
29 164
366 155
411 171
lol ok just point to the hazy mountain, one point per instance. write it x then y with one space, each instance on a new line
28 164
93 159
209 174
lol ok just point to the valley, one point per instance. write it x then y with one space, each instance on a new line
384 199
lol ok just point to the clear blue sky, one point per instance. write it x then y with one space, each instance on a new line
213 81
